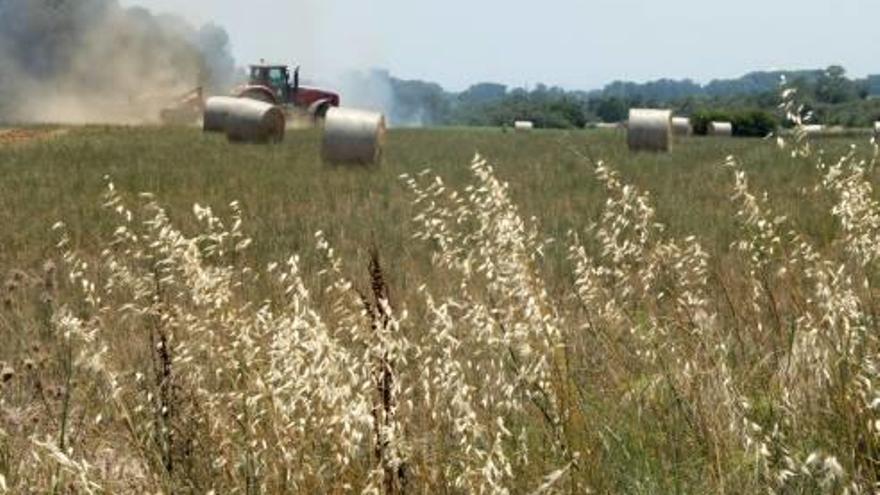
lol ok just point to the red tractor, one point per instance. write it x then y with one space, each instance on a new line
348 135
269 83
276 85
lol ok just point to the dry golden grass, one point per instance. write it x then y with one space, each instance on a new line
545 323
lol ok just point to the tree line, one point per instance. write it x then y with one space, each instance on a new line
831 97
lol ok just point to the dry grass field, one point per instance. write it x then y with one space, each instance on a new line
564 317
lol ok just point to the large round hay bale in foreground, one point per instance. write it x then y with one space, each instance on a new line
216 112
252 121
353 136
681 126
523 125
649 130
720 129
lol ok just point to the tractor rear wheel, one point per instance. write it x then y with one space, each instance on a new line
319 114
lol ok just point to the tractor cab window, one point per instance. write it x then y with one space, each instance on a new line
277 76
258 74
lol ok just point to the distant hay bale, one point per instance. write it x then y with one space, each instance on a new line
252 121
813 129
681 126
720 129
649 130
353 136
216 113
523 125
609 125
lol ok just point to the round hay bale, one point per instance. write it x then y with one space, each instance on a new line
720 129
523 125
649 130
353 136
609 125
681 126
216 113
252 121
877 130
813 129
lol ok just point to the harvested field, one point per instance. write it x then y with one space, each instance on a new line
610 313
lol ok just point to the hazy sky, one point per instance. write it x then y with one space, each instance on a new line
581 44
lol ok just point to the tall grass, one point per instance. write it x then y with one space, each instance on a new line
467 349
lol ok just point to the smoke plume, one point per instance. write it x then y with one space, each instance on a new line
404 103
93 61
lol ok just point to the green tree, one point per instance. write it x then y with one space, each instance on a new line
612 109
833 86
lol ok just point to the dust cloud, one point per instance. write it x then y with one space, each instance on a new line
93 61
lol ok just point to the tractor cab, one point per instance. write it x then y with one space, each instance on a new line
279 85
277 78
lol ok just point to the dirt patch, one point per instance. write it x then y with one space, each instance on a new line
19 136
